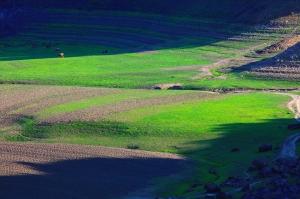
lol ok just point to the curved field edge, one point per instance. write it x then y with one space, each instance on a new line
205 130
30 60
99 101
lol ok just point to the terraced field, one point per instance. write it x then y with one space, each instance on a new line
189 123
55 171
133 81
132 51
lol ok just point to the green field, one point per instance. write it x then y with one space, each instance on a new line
203 129
137 56
99 93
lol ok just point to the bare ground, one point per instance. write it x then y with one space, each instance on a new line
283 66
205 71
17 101
288 149
29 101
34 171
281 45
72 171
97 113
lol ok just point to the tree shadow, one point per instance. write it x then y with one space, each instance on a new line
235 146
87 178
113 177
47 33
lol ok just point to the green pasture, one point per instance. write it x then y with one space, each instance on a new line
131 56
205 130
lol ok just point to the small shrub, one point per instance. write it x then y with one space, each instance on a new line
133 146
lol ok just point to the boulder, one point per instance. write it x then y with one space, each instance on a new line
294 126
212 188
265 148
175 86
259 164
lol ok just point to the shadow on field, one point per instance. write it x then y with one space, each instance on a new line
284 64
109 24
87 178
47 33
235 146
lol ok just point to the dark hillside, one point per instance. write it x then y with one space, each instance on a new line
255 11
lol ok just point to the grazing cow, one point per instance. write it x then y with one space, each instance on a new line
61 55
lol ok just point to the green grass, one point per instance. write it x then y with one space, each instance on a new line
241 81
86 65
129 70
120 96
205 130
124 70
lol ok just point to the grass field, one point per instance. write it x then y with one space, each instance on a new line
99 51
99 93
199 125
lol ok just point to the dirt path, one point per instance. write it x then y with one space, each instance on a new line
33 171
205 71
288 149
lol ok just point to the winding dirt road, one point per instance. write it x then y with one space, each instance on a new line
288 149
35 171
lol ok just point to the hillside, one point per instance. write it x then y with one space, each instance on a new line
213 81
255 11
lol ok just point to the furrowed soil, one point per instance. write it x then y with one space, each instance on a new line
23 101
70 171
18 101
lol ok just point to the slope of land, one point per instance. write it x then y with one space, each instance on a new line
71 171
282 66
126 52
191 123
110 49
254 11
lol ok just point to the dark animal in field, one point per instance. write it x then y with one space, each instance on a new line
105 52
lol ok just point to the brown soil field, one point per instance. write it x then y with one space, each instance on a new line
27 101
97 113
20 100
34 171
